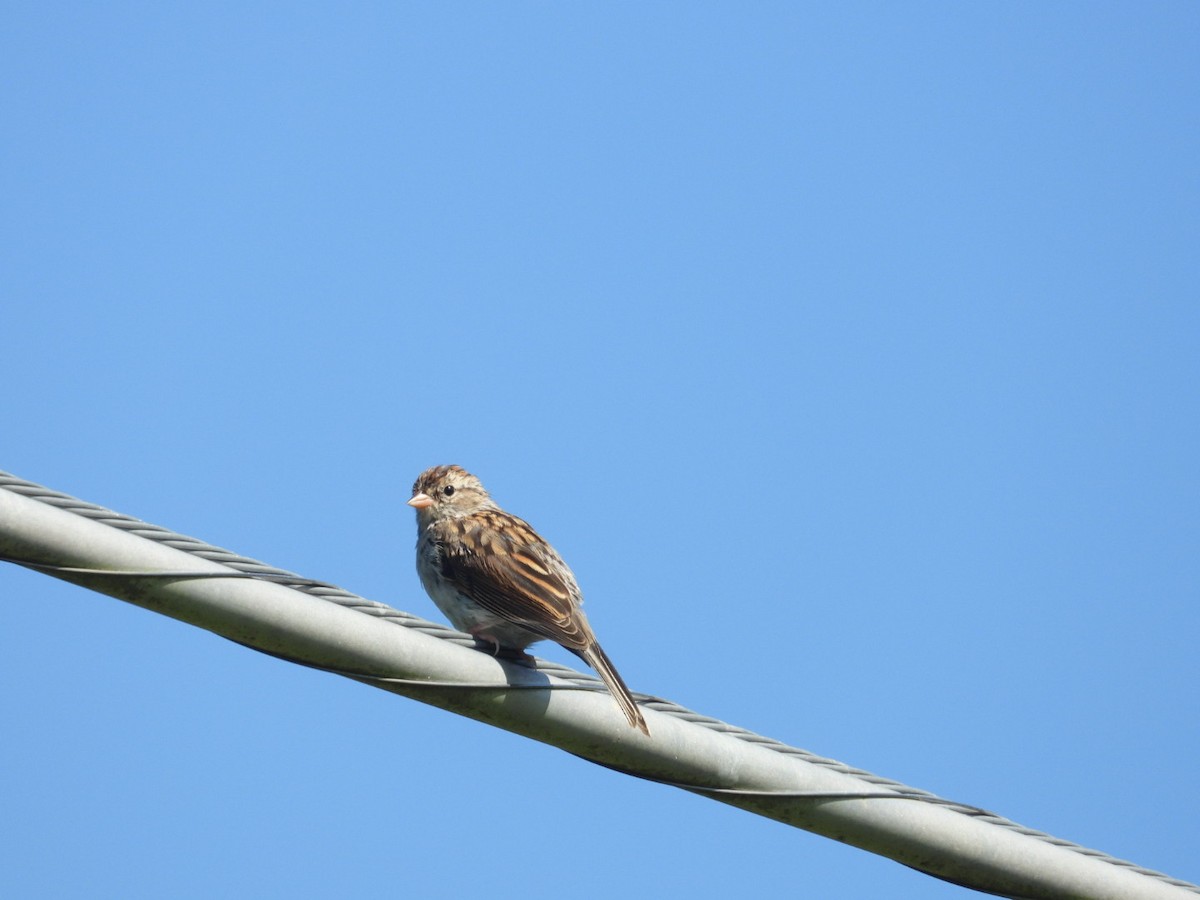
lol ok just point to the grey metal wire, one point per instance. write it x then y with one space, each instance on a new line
331 593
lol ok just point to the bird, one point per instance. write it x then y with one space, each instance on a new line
500 581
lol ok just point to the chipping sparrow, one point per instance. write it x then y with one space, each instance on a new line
498 579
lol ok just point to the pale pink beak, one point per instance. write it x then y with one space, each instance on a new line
420 501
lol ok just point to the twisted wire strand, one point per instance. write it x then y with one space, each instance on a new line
251 568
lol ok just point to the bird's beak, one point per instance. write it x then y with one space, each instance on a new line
420 501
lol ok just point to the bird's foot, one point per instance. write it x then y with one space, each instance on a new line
492 647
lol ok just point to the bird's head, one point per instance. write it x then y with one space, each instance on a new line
448 491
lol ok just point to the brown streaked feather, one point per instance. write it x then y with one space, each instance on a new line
510 572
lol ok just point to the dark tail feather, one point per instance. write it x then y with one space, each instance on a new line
598 660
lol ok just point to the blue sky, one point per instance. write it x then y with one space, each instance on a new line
848 353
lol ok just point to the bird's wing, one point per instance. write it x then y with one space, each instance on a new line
502 564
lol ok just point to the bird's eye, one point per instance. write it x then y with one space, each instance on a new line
448 490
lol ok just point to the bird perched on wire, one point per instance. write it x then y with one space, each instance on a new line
498 580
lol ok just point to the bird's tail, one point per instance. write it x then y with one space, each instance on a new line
598 660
